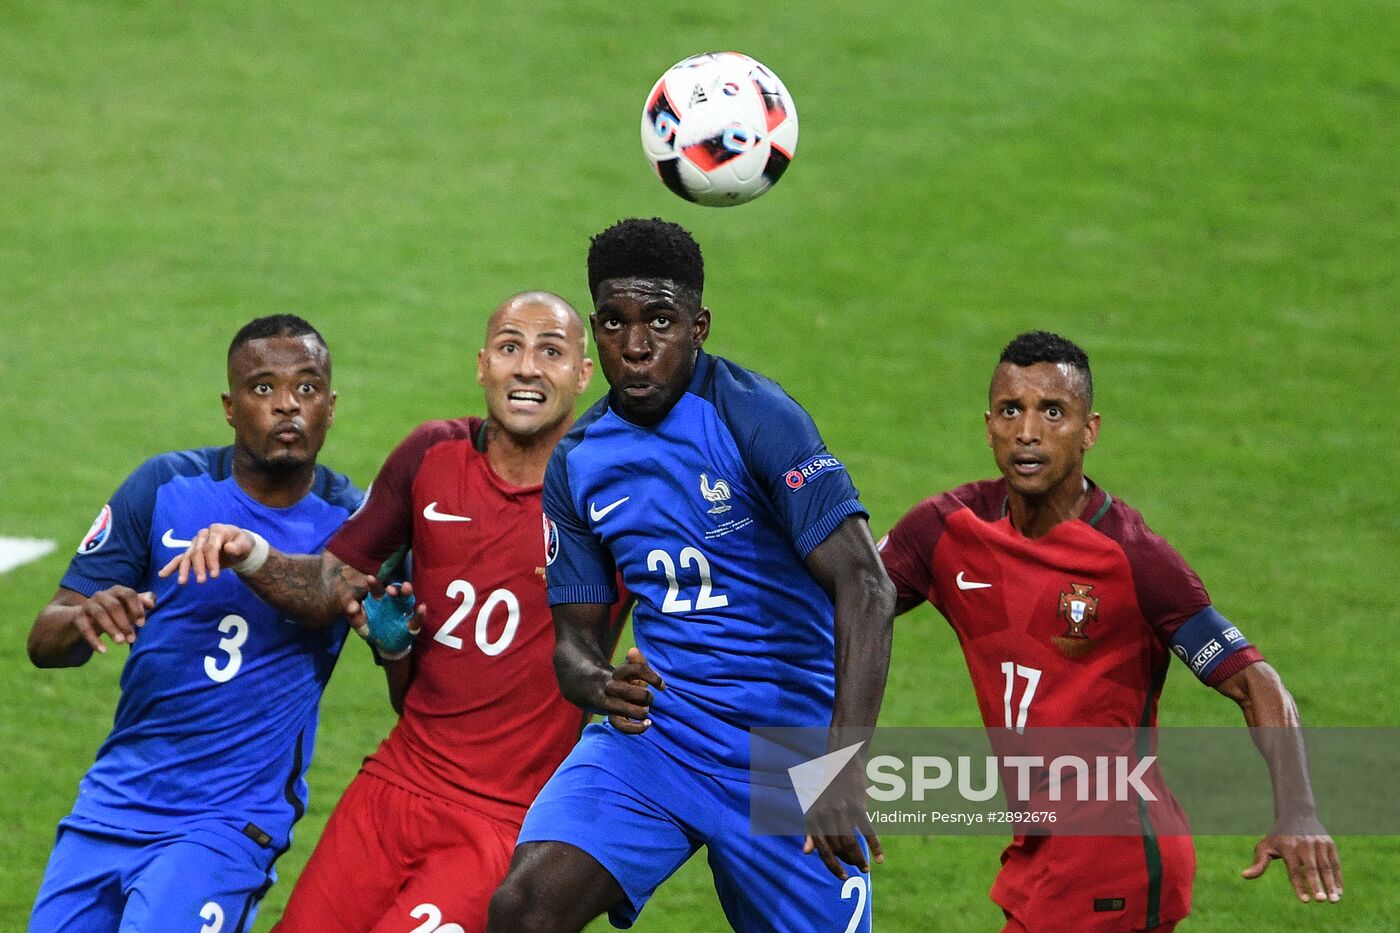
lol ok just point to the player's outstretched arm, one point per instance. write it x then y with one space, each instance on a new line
848 566
314 589
1298 838
587 678
70 628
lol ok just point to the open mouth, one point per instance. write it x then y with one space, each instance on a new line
526 398
1027 465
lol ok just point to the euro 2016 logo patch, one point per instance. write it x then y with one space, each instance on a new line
1079 609
551 541
799 476
98 534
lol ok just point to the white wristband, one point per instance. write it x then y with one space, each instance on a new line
394 656
256 557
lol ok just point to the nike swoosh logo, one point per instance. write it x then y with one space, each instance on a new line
169 540
970 584
431 513
597 514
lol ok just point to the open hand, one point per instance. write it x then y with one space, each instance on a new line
208 552
1312 863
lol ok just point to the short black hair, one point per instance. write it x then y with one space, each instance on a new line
646 249
275 325
1041 346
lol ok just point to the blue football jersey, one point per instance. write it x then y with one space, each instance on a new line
708 515
219 695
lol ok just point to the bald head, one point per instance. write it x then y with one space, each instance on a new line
534 303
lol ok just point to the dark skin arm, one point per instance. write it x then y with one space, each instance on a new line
314 589
1298 838
70 628
848 567
582 636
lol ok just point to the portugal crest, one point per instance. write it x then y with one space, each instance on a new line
1079 609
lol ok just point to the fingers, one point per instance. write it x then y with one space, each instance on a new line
208 551
1297 874
1263 854
115 612
355 615
877 851
823 847
1325 857
629 700
420 615
377 589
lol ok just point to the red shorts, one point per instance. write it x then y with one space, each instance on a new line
390 860
1095 884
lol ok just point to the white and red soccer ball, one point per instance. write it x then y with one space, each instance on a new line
719 128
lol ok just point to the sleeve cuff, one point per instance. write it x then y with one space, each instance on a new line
80 584
825 525
1233 665
559 595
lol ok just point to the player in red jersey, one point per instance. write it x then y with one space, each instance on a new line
424 833
1068 608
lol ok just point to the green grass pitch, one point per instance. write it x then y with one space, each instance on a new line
1205 195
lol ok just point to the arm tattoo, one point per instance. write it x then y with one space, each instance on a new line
312 589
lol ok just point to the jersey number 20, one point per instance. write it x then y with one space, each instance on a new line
461 589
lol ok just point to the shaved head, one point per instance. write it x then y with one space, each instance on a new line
570 321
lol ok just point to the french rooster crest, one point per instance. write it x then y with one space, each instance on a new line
716 494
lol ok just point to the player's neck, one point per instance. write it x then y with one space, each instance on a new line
273 488
521 461
1037 516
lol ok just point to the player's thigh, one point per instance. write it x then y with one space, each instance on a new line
615 800
768 883
461 863
202 882
359 865
81 889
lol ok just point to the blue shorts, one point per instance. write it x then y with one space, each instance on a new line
209 876
641 814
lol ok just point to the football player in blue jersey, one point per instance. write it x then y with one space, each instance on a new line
193 794
761 602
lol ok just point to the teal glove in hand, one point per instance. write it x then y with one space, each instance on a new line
387 619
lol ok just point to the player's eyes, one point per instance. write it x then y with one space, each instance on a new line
660 321
262 388
1009 411
307 388
1053 412
551 351
610 323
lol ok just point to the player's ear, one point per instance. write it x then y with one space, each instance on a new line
1091 431
987 419
228 407
481 367
585 375
330 411
701 325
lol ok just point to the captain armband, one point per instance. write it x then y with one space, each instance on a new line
1205 640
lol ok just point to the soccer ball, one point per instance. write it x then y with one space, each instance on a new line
719 128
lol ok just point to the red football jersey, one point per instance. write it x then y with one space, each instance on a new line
483 721
1071 629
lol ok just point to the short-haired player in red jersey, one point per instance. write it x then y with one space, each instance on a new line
425 831
1068 609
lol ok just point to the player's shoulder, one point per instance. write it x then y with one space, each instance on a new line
580 431
739 392
156 471
442 430
1125 525
985 499
337 490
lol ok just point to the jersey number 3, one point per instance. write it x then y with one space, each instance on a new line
221 670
